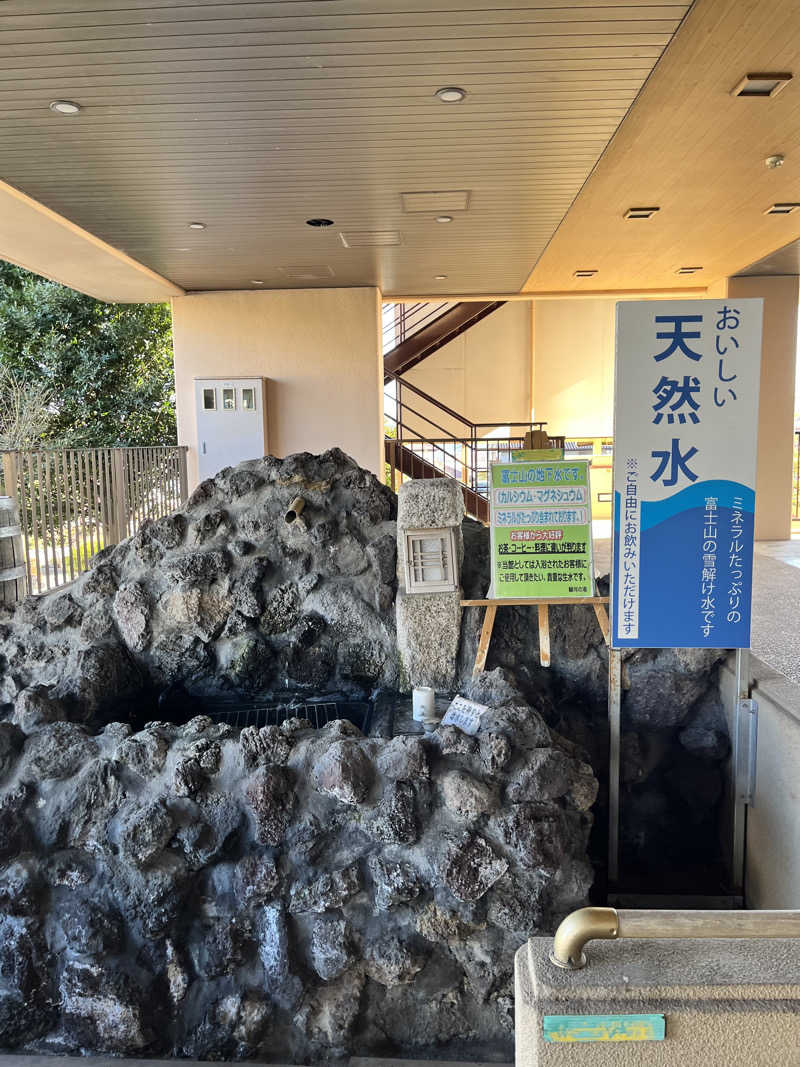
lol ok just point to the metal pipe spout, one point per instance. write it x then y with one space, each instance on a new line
295 510
586 924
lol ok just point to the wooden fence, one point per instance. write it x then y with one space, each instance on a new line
75 501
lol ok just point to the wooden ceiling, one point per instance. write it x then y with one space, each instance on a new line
696 152
253 117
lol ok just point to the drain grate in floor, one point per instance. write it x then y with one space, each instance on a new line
238 713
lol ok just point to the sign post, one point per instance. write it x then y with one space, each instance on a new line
685 429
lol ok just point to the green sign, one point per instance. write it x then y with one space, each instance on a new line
541 519
570 1028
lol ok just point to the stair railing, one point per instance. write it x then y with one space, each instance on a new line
463 449
401 321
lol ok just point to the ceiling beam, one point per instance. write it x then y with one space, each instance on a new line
560 294
40 240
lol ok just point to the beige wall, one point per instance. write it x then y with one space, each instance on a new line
319 350
485 374
573 379
776 406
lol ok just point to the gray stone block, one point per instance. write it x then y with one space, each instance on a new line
428 631
428 503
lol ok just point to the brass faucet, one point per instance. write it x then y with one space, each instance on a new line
590 924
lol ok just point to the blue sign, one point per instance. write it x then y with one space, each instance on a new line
568 1029
685 428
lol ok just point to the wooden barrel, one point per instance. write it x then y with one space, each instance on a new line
13 572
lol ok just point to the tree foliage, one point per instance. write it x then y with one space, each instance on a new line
107 369
24 411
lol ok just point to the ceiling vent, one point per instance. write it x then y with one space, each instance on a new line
306 274
370 238
763 85
688 270
782 209
641 212
436 203
585 273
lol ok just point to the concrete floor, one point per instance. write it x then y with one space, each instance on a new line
775 632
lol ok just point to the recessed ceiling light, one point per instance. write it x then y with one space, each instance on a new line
197 225
65 107
451 94
641 212
256 282
319 222
439 277
763 85
444 218
585 273
773 162
688 270
782 209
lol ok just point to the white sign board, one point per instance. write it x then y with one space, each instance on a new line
685 427
465 714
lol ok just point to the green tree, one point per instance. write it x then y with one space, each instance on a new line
106 368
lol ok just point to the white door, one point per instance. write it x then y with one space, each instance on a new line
231 422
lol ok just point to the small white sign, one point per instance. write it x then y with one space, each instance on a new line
465 714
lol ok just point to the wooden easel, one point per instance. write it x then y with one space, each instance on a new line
543 604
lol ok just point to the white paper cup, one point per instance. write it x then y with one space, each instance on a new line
422 703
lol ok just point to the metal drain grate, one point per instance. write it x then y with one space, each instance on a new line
238 713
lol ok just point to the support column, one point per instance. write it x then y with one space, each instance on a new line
773 520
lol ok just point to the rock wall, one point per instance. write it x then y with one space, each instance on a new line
187 889
675 744
222 597
281 893
184 888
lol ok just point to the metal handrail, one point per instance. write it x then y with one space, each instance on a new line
408 319
404 384
405 407
609 924
450 439
477 449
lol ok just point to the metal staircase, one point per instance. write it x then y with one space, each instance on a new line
424 437
412 332
427 439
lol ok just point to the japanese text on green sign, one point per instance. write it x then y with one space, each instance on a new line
541 521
